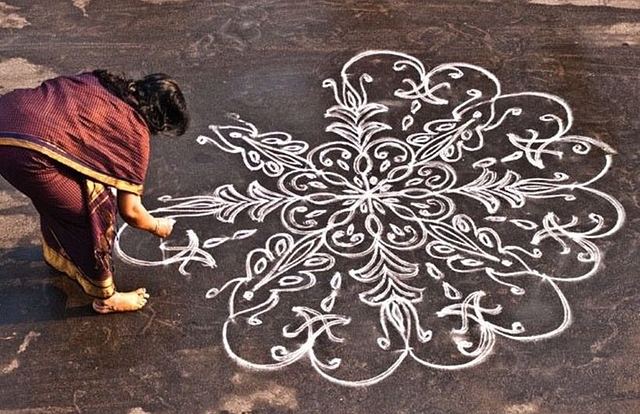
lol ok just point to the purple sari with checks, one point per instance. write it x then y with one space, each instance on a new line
65 145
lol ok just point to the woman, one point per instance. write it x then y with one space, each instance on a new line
66 144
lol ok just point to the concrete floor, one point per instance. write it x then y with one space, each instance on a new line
363 230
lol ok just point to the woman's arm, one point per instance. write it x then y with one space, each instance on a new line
136 215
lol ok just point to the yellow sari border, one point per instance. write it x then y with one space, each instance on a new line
103 178
61 263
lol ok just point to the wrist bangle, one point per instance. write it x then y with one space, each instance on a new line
157 225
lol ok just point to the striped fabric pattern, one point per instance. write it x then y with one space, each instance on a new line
75 119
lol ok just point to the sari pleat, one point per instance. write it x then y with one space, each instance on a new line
77 217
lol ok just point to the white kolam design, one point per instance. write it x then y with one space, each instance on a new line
437 215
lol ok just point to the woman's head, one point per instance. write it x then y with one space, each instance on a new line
161 104
157 98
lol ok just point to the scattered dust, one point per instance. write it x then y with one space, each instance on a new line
613 35
38 410
198 362
9 19
237 379
622 4
27 340
82 5
271 394
19 73
11 199
13 365
17 227
163 1
529 408
626 368
138 410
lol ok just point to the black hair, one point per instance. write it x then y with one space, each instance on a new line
157 98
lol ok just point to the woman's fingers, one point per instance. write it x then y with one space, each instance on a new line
165 227
169 226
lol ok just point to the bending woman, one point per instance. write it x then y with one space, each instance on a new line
66 144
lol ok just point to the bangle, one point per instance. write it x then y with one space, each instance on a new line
157 225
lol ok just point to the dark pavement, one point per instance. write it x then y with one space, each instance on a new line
401 206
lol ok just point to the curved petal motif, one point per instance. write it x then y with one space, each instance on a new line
442 208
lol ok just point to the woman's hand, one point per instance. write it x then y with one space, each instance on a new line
136 215
164 227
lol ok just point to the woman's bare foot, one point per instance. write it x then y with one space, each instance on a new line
122 302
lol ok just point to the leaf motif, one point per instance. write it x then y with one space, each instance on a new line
516 155
472 262
297 148
434 272
336 281
319 262
450 292
243 234
327 303
415 106
288 281
213 242
407 121
524 224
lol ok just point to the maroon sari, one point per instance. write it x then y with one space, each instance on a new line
65 145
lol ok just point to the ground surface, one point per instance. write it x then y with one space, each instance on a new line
364 232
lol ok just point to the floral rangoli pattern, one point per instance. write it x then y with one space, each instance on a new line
437 215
